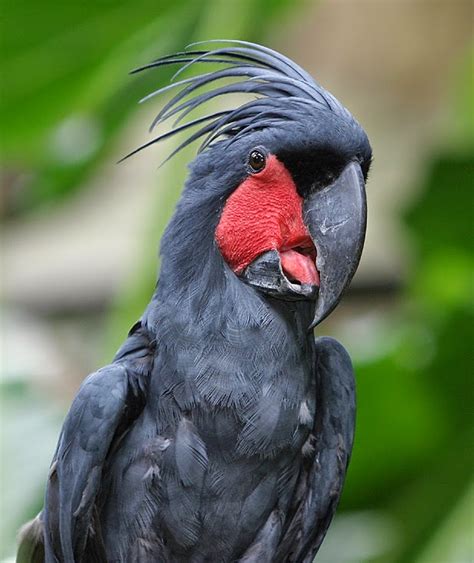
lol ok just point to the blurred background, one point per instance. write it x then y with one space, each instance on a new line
80 236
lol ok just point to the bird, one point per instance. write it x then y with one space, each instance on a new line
223 428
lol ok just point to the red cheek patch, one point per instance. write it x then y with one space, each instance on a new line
266 213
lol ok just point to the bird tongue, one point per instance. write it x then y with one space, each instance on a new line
299 267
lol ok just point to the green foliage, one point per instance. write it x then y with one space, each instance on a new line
413 458
65 93
412 455
28 436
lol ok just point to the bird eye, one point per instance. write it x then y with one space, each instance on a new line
257 161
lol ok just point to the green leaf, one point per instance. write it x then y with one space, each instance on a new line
67 95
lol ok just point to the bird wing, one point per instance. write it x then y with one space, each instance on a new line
319 489
30 542
101 413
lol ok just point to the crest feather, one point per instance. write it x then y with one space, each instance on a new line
278 84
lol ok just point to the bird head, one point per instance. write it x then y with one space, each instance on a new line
285 172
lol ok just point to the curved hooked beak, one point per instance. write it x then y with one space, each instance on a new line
336 218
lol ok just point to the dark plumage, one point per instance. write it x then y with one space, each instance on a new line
222 430
282 88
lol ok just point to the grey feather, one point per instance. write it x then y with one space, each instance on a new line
31 542
275 79
101 412
321 485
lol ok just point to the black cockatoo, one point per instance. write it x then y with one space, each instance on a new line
222 429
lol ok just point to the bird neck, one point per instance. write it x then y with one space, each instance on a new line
220 342
198 296
200 300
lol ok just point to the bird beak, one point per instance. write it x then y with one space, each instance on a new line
336 218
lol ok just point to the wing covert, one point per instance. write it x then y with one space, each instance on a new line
107 403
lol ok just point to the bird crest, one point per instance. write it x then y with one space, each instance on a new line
278 87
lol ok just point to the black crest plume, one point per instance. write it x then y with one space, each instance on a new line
278 86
